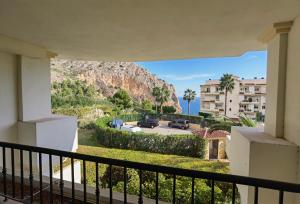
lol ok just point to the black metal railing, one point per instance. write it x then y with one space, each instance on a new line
281 187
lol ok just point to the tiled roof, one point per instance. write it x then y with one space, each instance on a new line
204 133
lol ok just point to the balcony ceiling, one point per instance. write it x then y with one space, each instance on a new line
137 30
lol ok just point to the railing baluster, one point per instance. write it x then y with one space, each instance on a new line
61 183
141 187
84 181
30 176
51 179
22 174
193 190
110 185
125 184
97 184
212 198
41 177
73 180
256 195
281 197
13 172
4 171
174 188
156 187
233 193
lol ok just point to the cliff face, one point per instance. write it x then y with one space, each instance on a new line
108 77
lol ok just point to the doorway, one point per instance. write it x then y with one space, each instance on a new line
213 149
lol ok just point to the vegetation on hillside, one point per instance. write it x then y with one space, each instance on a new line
73 94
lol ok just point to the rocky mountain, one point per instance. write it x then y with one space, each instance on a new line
108 77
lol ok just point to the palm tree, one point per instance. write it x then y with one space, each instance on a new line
156 94
227 123
161 95
189 95
227 84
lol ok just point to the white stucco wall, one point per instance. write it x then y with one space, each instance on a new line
56 132
292 107
67 173
256 154
8 97
34 88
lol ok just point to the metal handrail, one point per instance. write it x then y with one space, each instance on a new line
219 177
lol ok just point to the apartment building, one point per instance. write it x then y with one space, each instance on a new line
248 97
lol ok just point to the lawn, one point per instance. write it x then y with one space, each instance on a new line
87 145
183 193
153 158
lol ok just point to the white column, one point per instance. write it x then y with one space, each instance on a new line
276 80
34 88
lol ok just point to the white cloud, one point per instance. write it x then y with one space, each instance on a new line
251 57
186 77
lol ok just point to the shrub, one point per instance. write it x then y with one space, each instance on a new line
205 115
168 109
130 117
72 93
191 118
165 185
184 145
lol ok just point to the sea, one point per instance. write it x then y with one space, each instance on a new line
194 106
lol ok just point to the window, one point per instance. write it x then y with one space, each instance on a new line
208 90
256 88
263 107
229 109
230 100
217 97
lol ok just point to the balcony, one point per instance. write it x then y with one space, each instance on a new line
30 185
210 110
219 101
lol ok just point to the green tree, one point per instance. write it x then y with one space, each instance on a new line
228 123
227 84
121 100
72 93
189 95
169 109
156 94
147 105
161 95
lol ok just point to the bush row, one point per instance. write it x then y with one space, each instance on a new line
183 145
191 118
202 194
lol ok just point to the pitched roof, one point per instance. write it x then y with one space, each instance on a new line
205 134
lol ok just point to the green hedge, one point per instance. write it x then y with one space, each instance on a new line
191 118
205 115
130 117
183 145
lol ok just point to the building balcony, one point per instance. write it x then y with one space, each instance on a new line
210 110
26 182
219 101
211 93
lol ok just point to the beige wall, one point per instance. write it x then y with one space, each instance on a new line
276 85
8 97
34 88
292 108
253 153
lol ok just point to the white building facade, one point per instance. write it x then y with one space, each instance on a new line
248 97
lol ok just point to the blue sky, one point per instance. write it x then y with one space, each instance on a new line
193 72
